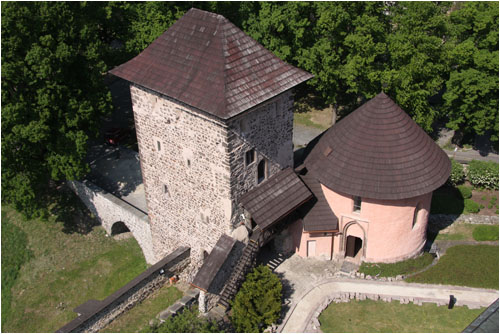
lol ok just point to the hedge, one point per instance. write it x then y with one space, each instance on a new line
483 174
465 191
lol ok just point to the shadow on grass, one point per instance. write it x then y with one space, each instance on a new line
69 210
310 101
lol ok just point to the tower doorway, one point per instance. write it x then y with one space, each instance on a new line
353 246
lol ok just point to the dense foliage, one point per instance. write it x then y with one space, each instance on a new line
437 60
483 174
258 303
457 175
15 252
52 95
187 322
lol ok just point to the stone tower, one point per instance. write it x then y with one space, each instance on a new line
213 116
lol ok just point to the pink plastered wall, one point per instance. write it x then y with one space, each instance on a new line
385 226
323 243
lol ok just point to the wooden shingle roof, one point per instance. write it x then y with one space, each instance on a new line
205 61
378 152
275 198
213 263
318 216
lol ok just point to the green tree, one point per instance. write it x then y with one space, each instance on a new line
187 322
52 94
471 98
416 67
258 303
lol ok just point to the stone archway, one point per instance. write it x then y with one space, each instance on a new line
352 243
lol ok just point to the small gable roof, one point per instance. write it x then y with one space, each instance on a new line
205 61
378 152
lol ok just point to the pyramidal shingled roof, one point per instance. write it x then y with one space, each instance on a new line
378 152
206 62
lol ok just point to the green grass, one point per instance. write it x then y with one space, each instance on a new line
15 253
66 269
457 232
398 268
305 119
485 233
137 319
464 265
379 317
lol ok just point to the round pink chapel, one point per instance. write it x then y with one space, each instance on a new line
372 175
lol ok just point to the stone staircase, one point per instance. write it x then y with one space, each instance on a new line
245 263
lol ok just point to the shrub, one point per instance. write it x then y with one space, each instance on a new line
465 191
187 322
258 303
485 233
471 206
483 174
457 174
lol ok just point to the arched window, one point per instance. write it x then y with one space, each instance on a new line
261 171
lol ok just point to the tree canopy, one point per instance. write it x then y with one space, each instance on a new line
258 302
437 60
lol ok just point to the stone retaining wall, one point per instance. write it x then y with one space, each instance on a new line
110 209
441 221
94 315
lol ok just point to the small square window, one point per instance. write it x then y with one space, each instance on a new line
249 157
357 204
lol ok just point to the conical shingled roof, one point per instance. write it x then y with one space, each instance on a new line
206 62
378 152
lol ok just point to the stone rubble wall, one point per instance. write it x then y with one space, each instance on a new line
194 179
441 221
193 164
268 129
110 209
95 315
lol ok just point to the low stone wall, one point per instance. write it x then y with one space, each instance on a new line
441 221
110 209
94 315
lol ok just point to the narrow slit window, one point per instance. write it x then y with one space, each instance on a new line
249 157
357 204
261 171
165 190
158 145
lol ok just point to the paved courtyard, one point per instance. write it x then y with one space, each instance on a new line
117 170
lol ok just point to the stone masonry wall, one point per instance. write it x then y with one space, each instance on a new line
268 129
110 209
185 168
193 166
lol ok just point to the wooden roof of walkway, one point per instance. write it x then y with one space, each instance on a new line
275 198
